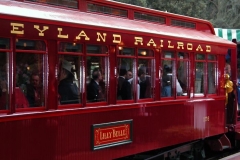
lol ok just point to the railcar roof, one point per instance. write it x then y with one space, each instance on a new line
29 10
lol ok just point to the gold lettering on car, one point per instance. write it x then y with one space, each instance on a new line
16 28
161 43
60 34
41 31
102 37
151 41
199 48
180 45
82 34
116 38
208 48
119 133
189 46
138 40
104 136
169 44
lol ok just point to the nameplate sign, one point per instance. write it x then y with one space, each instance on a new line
111 134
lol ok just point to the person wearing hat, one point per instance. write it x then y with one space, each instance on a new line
67 90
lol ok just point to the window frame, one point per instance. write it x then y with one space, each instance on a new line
8 52
153 85
106 55
81 72
44 74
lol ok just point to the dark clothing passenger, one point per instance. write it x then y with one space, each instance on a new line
121 79
68 92
166 82
33 96
230 109
93 91
124 88
145 90
125 91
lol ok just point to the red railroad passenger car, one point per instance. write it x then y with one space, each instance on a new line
84 79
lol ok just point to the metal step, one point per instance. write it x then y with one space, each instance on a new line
220 144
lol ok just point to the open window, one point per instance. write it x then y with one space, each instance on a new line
182 76
125 77
29 87
200 65
146 73
212 74
168 61
70 73
4 74
97 73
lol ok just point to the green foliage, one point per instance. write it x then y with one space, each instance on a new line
222 13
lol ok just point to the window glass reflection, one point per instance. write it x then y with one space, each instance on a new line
4 43
96 79
29 80
167 83
145 78
125 79
4 90
211 77
199 77
69 76
22 44
70 47
182 74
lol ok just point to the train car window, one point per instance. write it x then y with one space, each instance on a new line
97 73
168 55
4 43
4 89
22 44
70 73
65 3
145 53
29 89
107 10
184 24
212 57
70 47
70 79
182 74
167 78
212 74
200 57
96 49
125 78
149 18
146 74
200 62
126 51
